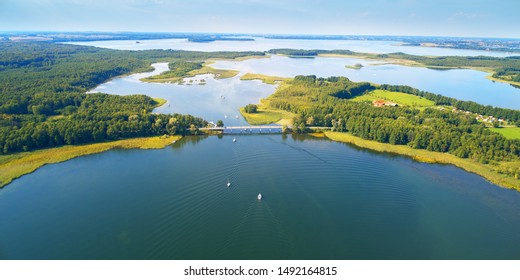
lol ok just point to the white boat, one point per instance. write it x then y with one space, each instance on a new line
225 116
234 139
236 116
259 196
228 183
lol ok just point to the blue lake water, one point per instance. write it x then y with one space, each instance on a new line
213 101
321 200
262 44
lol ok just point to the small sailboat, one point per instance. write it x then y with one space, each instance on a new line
228 183
234 140
259 196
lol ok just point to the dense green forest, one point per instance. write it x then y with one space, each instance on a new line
507 68
43 101
325 102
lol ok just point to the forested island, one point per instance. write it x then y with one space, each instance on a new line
43 104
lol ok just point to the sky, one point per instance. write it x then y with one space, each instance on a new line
468 18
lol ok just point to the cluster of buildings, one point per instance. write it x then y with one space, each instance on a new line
489 119
381 103
482 118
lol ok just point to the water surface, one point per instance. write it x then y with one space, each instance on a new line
262 44
321 200
213 100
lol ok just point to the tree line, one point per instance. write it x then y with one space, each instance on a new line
100 117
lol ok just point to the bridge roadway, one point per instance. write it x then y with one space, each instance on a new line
254 129
250 127
245 129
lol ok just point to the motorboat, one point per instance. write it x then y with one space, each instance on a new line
234 140
259 196
228 183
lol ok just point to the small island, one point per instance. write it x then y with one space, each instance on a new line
208 39
355 66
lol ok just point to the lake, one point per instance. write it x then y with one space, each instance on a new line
216 99
321 200
263 44
213 101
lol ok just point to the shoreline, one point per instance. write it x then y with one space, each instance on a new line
266 79
490 77
485 171
160 102
17 165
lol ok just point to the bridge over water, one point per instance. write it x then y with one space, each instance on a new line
246 129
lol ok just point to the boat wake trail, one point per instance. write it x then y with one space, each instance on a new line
305 151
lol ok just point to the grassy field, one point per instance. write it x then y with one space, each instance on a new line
267 116
159 101
487 171
17 165
219 73
508 132
400 98
264 78
261 117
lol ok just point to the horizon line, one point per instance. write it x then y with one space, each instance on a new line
5 32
